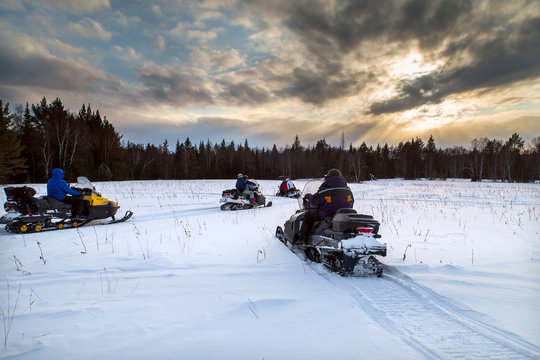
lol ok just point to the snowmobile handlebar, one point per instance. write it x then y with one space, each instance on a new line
83 191
305 202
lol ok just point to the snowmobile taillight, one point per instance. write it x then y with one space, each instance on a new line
226 194
8 208
364 230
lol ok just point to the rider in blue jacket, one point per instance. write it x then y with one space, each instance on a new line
241 183
245 187
59 189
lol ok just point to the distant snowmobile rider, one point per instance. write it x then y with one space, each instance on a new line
240 183
59 189
286 187
283 187
245 187
333 194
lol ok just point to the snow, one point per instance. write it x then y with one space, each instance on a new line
183 279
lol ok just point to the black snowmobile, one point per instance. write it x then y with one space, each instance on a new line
27 213
235 200
346 242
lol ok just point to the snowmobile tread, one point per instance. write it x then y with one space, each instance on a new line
364 266
235 206
66 224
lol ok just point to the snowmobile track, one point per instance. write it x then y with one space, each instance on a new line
429 323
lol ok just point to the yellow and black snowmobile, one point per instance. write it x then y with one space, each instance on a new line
27 213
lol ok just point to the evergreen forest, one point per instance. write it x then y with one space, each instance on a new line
36 138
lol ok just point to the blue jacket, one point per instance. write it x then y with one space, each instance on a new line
332 195
241 184
57 187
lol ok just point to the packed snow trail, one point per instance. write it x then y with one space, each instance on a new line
428 322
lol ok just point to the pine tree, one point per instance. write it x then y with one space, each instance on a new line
11 162
430 151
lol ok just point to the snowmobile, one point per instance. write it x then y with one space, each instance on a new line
27 213
235 200
345 242
292 193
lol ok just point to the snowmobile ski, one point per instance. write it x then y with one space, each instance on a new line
126 216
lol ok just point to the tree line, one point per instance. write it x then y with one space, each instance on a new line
36 138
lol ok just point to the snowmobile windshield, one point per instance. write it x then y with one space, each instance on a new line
253 182
84 183
310 188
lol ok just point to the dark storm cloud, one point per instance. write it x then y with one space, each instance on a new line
351 23
502 51
318 87
412 93
430 22
512 56
176 86
31 69
330 33
244 93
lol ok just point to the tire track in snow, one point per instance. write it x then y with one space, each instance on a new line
175 213
430 323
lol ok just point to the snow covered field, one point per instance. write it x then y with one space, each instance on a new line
184 280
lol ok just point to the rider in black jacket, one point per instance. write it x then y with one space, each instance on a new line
332 195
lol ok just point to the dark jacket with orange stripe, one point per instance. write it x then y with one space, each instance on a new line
332 195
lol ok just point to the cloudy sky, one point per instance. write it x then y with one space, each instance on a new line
378 71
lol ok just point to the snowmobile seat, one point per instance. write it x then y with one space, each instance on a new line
233 193
56 204
43 203
350 220
345 211
340 221
321 225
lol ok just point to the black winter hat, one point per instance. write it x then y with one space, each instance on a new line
333 172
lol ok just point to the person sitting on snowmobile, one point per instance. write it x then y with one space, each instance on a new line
245 187
286 187
240 183
59 189
283 187
332 195
250 189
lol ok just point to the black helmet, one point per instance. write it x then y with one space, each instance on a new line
333 172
